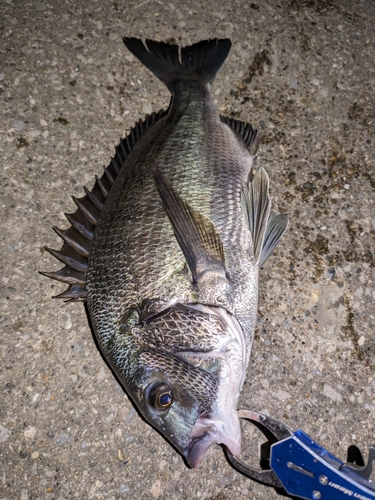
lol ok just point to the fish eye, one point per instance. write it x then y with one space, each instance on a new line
161 396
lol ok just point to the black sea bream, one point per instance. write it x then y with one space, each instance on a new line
166 251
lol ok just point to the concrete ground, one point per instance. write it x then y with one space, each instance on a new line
301 71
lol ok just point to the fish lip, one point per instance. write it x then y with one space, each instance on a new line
198 445
197 449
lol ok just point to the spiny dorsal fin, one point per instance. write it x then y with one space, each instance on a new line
250 136
198 239
70 257
75 251
68 275
266 227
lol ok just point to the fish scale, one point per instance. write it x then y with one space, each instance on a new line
192 174
166 250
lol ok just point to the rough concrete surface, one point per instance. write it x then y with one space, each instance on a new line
301 71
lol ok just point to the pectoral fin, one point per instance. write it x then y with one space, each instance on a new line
266 227
197 236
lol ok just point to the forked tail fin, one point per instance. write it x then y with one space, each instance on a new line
199 61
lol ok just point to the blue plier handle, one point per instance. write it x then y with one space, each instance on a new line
303 468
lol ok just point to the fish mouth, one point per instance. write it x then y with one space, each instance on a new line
207 432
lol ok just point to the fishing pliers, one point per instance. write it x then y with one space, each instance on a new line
303 468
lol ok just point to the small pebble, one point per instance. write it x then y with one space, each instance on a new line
331 273
34 133
4 433
30 433
18 125
63 439
282 395
265 384
156 489
331 393
147 108
293 82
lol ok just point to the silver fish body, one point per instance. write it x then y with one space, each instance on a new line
171 277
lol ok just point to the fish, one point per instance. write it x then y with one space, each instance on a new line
165 251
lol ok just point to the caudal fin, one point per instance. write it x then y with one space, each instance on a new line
201 60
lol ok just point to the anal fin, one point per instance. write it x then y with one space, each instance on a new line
256 204
276 226
196 235
266 227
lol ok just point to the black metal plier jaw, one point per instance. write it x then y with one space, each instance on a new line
303 468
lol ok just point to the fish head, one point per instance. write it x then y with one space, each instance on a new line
189 384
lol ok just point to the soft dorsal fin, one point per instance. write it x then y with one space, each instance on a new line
266 227
197 236
250 136
75 251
